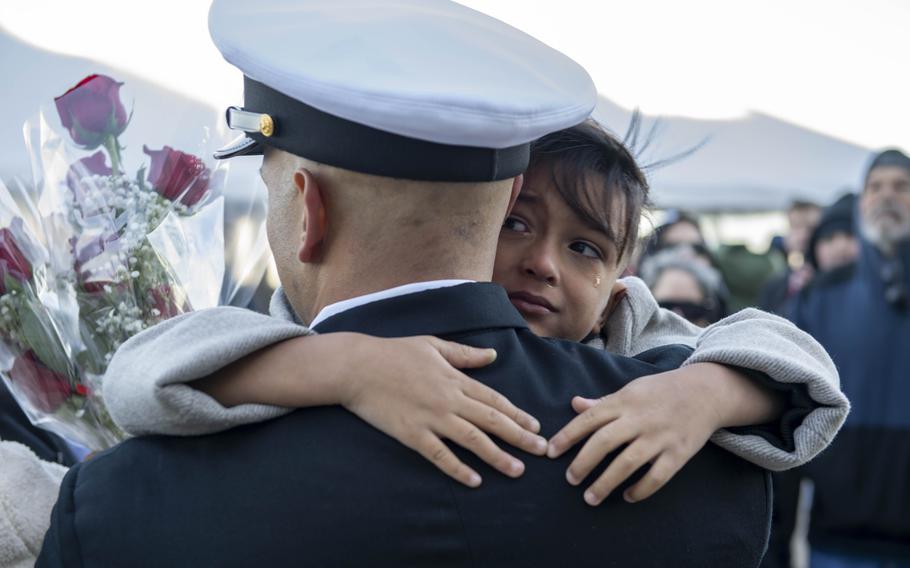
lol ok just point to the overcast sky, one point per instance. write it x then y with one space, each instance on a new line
840 67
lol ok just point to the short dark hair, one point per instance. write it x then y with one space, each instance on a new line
802 205
579 153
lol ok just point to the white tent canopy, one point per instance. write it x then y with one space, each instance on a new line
756 163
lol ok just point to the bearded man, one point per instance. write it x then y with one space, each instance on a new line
860 314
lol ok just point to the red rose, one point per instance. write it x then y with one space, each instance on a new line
12 261
178 175
45 389
91 111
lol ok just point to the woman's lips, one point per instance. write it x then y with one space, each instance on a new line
530 304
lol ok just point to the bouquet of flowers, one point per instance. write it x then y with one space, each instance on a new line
94 254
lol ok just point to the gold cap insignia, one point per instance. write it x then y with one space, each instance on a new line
266 125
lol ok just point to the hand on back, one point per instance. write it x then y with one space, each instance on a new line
659 420
413 391
418 396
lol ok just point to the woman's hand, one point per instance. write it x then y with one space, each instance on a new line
411 389
664 419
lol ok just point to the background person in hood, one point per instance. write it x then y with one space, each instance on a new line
860 314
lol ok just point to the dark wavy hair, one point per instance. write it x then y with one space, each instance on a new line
586 156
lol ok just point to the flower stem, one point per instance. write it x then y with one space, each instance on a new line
112 145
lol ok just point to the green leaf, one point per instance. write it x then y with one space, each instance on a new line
140 177
37 330
11 284
39 334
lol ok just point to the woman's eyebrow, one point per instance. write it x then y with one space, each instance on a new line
604 230
528 197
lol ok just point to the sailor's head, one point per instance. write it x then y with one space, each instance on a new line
374 117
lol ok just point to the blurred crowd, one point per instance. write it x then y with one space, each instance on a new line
704 284
841 274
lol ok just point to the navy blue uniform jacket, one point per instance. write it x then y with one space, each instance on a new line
320 487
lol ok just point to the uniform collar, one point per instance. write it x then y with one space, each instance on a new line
438 311
344 305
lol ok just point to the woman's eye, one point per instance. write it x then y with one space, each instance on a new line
515 224
586 249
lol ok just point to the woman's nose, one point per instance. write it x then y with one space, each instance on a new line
539 263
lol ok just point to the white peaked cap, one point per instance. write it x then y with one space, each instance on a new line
432 72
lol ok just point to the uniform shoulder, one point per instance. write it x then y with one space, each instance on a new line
591 353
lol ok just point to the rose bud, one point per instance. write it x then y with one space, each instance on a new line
13 263
44 388
177 175
92 111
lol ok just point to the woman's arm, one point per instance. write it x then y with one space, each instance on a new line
770 349
146 386
409 388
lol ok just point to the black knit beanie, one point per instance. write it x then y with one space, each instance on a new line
890 157
836 217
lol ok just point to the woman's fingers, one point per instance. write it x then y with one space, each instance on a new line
489 419
462 356
626 463
662 471
595 417
604 441
436 452
471 438
581 404
489 397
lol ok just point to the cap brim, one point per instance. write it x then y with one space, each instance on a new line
241 146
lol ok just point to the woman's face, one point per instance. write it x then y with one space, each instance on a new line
678 290
557 270
681 233
835 250
677 285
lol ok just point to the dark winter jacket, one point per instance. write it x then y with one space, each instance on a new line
862 482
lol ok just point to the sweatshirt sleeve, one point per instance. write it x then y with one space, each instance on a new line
28 490
146 384
768 346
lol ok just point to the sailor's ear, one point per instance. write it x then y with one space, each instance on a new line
315 226
516 189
